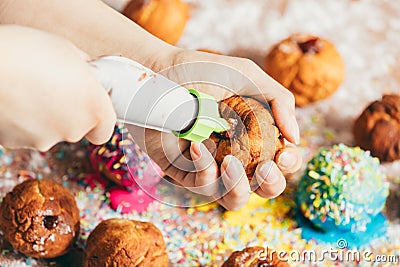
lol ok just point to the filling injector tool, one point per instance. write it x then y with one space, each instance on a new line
150 100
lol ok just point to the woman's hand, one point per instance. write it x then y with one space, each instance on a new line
48 93
192 165
114 34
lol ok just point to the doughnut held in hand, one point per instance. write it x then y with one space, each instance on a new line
252 137
122 242
378 128
309 66
40 218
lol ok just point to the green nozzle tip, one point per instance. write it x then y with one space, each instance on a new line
221 126
208 119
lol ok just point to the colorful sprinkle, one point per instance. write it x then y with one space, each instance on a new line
333 190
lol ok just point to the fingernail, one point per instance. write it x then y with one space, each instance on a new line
297 138
195 151
230 164
286 160
267 173
296 133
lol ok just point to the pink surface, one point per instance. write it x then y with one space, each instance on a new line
126 201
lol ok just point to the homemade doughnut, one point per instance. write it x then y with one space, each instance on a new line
134 173
123 162
252 137
209 51
40 218
378 128
165 19
309 66
342 189
122 242
254 257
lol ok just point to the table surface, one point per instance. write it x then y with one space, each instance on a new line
367 35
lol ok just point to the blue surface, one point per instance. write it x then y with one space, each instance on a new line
344 239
